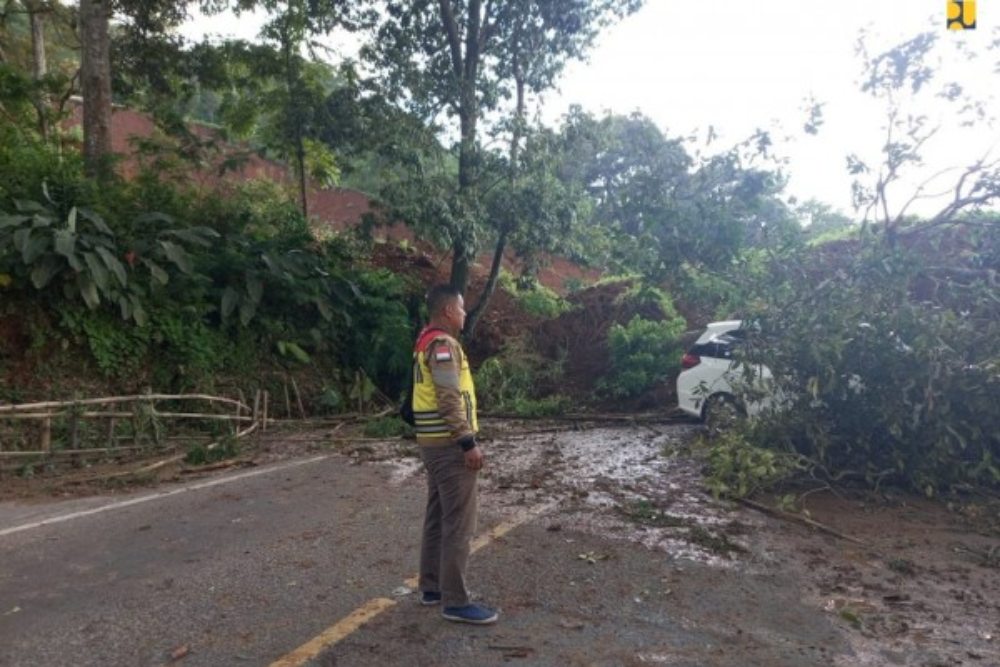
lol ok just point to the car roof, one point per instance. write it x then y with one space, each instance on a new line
715 329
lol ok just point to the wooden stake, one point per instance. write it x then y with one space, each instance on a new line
46 440
298 397
267 401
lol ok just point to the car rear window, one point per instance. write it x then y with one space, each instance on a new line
720 347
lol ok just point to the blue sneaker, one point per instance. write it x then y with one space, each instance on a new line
471 613
429 598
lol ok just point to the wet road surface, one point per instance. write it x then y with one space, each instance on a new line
242 569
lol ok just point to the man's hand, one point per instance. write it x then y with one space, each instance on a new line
474 458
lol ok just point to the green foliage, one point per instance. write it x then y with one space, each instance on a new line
882 379
227 448
386 427
650 299
738 469
119 351
74 247
380 340
520 381
547 406
534 298
642 353
253 289
656 208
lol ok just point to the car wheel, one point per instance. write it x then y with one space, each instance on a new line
721 412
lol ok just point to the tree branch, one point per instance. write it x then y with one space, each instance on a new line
454 41
472 41
488 28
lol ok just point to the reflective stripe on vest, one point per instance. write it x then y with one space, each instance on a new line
429 423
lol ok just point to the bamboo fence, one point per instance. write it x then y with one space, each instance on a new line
38 419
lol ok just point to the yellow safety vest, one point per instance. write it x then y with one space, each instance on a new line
429 423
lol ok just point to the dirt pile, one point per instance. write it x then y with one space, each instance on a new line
579 338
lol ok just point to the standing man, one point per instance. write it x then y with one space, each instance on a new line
444 408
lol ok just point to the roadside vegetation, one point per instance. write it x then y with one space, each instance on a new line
118 274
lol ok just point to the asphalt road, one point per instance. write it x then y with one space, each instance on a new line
246 569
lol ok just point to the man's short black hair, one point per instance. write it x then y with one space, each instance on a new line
439 296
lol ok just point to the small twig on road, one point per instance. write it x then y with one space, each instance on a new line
788 516
639 418
221 465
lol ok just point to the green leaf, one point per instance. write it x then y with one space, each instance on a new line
95 220
71 220
28 206
115 266
230 297
287 348
196 235
158 274
324 309
13 220
65 242
34 247
43 272
20 238
88 290
97 270
138 312
177 255
155 216
126 307
255 288
247 310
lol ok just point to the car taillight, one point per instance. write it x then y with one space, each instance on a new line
690 361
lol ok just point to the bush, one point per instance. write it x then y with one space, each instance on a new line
643 353
548 406
535 298
521 382
737 468
881 384
387 427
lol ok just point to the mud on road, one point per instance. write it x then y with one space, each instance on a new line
922 590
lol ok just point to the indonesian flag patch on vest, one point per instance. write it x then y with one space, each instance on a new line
443 355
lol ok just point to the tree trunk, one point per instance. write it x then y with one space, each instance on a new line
293 77
467 73
95 79
459 264
506 225
488 289
300 156
39 63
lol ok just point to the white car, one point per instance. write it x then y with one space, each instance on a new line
711 385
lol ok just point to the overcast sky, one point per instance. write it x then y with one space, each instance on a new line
739 65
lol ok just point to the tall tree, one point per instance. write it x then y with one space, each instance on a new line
907 79
95 78
460 58
660 207
36 14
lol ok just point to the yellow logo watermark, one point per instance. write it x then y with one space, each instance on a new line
961 14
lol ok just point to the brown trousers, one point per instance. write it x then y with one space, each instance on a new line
449 523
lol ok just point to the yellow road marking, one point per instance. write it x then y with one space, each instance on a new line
345 626
334 633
